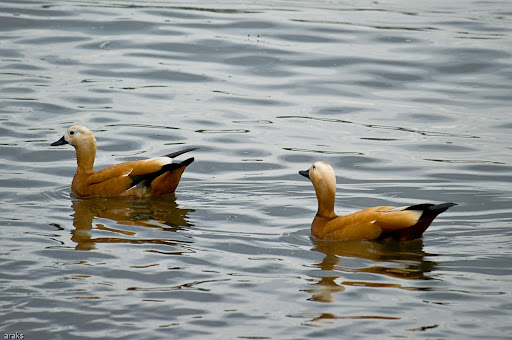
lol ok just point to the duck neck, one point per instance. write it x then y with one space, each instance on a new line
85 155
326 195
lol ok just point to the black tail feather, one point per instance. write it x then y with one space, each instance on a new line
187 161
148 178
175 165
429 213
431 209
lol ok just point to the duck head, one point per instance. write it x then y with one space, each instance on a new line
323 178
76 135
82 139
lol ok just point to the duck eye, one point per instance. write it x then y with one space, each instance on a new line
72 132
314 167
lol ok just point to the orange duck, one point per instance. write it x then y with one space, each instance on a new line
155 176
377 223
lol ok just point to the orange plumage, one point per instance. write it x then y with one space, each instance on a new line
155 176
377 223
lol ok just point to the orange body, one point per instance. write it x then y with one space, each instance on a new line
376 223
155 176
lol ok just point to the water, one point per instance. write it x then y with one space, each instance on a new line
408 101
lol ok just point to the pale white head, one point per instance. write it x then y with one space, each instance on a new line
320 172
76 135
323 178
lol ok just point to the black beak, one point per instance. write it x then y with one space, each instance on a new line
61 141
304 173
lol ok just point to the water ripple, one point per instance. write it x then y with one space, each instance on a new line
409 102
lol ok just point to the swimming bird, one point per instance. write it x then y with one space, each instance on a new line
376 223
155 176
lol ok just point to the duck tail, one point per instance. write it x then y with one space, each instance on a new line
431 209
429 213
187 161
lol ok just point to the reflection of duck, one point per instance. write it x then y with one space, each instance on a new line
155 176
402 260
152 212
403 223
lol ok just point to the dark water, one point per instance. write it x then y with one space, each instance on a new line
409 101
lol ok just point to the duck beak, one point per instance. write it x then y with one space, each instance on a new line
304 173
61 141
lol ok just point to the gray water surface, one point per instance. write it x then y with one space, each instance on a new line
409 101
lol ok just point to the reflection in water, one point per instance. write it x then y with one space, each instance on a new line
403 260
319 320
160 212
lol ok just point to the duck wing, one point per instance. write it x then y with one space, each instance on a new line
403 223
120 178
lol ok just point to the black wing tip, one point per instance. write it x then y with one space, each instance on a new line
438 209
431 206
447 205
177 153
